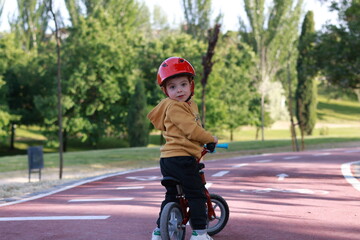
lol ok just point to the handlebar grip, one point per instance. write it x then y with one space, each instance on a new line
222 145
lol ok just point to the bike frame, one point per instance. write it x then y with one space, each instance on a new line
184 202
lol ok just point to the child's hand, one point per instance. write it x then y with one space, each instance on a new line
211 146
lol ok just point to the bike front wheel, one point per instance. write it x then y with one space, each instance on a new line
171 227
222 213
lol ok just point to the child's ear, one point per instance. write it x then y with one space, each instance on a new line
164 90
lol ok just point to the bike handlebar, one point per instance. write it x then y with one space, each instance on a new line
222 145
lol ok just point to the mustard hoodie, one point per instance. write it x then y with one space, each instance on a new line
181 126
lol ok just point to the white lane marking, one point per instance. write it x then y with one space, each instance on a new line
321 154
300 191
352 151
100 199
220 174
292 157
130 188
208 185
144 178
282 176
331 149
240 165
346 171
264 161
51 218
88 180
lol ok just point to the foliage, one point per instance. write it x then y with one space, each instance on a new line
98 62
271 34
339 47
137 123
197 16
306 92
111 45
229 86
31 24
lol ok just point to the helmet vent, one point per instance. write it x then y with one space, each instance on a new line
164 65
181 60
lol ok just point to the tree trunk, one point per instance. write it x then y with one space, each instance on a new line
12 136
207 65
65 138
295 145
203 106
301 124
262 115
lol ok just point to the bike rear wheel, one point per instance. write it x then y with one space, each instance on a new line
222 212
171 218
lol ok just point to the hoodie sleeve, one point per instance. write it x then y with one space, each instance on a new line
182 117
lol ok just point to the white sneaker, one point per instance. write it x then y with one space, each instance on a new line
196 236
156 235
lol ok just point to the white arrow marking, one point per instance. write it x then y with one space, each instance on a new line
220 174
321 154
282 176
144 178
240 165
264 161
291 157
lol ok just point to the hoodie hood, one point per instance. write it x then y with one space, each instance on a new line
157 115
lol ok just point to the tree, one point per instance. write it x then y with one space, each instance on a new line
197 16
100 66
306 92
339 46
208 63
230 89
137 123
31 24
271 35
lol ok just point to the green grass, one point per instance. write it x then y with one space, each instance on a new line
96 159
338 111
146 156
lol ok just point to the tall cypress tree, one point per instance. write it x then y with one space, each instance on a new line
306 92
137 123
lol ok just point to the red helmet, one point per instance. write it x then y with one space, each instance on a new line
174 66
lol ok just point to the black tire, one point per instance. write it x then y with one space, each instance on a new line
171 222
222 212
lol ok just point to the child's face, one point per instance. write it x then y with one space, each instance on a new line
179 88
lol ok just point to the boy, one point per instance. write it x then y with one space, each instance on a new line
178 117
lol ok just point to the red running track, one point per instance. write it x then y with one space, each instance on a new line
306 195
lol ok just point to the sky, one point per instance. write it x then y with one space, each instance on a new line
231 9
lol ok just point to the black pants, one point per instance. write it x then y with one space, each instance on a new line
186 169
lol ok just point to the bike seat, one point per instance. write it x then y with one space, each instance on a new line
170 181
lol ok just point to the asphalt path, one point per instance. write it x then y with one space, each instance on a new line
305 195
